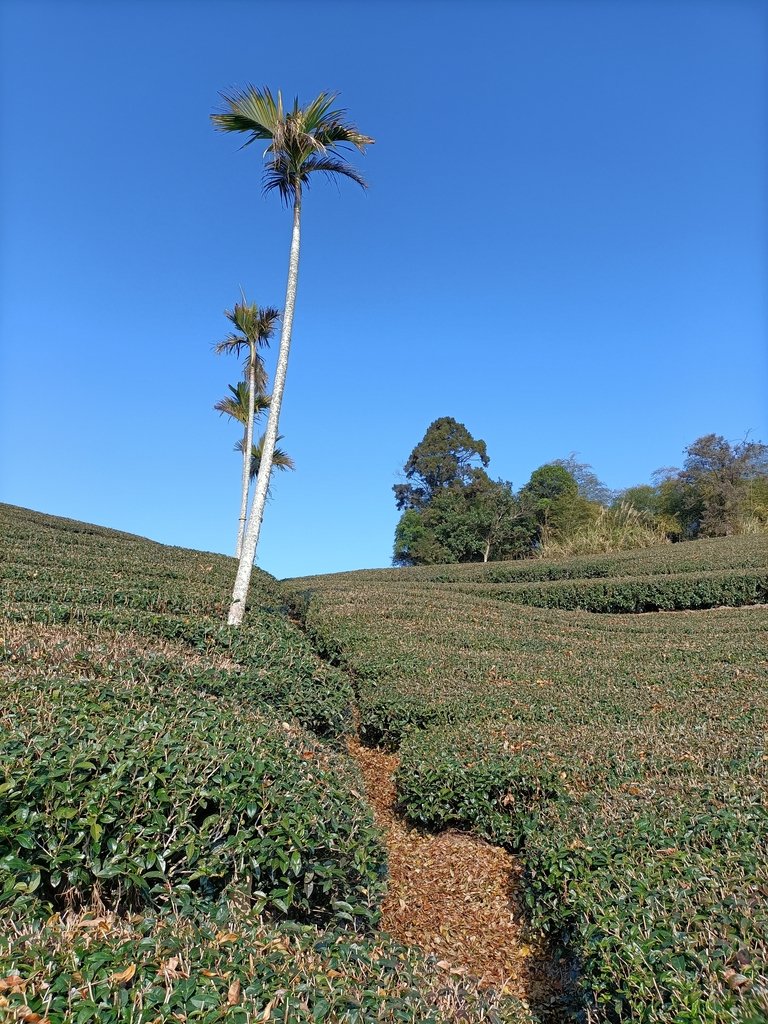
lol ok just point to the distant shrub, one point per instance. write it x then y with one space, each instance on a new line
619 528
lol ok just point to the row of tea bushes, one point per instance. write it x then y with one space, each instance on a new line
622 756
138 794
424 655
210 968
711 555
664 900
174 843
674 592
646 848
58 572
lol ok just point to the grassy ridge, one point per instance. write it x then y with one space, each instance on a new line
624 756
181 834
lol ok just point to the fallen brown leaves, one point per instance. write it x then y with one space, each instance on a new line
455 896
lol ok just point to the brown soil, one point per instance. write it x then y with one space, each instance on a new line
456 896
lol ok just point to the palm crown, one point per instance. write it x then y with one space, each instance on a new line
302 140
255 327
236 406
236 402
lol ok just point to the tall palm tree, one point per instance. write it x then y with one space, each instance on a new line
254 328
302 141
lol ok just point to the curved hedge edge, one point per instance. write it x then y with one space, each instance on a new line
682 592
227 967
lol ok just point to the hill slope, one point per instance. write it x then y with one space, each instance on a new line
623 756
182 835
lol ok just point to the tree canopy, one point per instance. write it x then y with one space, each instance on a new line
454 512
446 456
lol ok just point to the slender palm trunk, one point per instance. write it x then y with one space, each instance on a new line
244 569
248 445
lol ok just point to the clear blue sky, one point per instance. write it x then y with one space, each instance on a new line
564 246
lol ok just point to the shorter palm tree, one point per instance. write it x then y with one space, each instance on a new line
282 460
254 328
237 405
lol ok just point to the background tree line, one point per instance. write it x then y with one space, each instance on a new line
453 511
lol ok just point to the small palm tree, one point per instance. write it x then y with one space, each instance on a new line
254 328
302 141
280 459
236 406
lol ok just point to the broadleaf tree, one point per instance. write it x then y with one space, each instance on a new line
452 510
445 456
301 142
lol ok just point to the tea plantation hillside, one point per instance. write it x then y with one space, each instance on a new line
182 834
622 755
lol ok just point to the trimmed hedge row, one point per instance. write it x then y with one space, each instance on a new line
60 572
649 860
208 969
146 793
678 592
664 902
151 761
748 552
622 756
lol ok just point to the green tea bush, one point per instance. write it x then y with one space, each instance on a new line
208 969
744 552
60 572
646 852
643 594
664 902
464 778
622 756
155 761
132 795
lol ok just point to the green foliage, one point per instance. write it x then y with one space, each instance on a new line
716 493
645 594
108 583
553 501
150 752
228 967
141 793
587 481
452 510
302 141
714 481
755 516
153 761
564 509
445 457
480 521
741 552
623 757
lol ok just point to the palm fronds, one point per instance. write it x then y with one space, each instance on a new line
280 460
302 140
235 404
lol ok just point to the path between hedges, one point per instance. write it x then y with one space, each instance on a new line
457 897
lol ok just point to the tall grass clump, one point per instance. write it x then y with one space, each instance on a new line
620 528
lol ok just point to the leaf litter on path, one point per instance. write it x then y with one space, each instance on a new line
457 897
